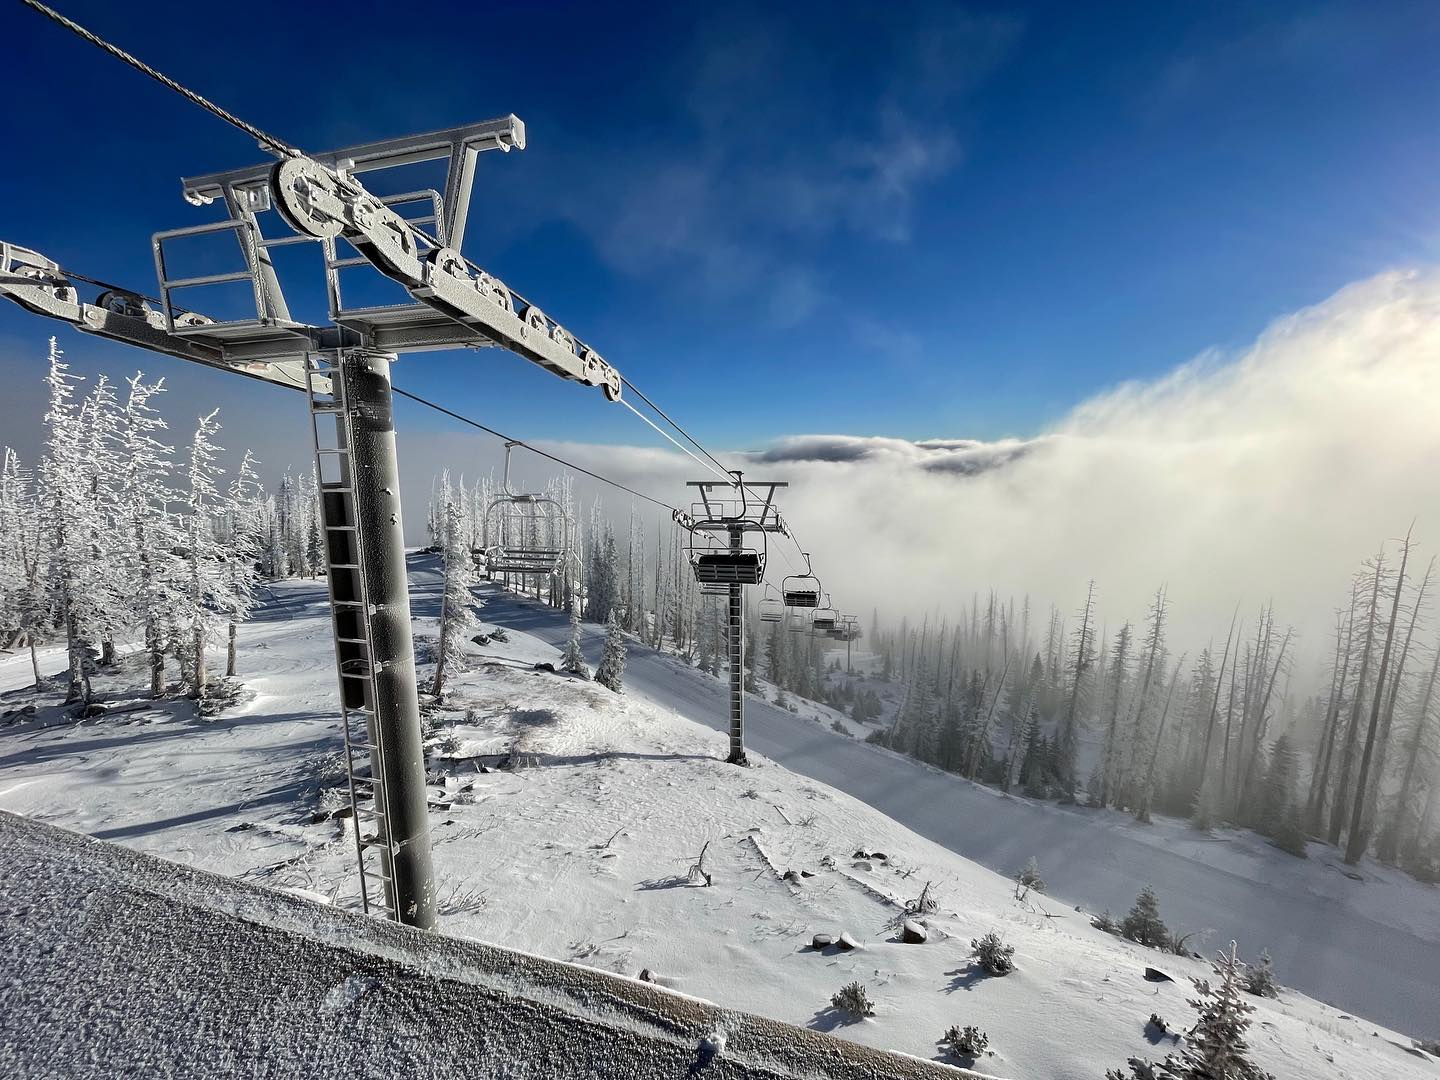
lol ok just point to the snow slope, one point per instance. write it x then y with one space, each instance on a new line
1370 946
582 853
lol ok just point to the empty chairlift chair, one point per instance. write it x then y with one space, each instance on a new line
824 619
525 532
772 608
801 590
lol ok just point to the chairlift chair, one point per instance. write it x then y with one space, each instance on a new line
714 519
772 609
824 618
801 590
521 529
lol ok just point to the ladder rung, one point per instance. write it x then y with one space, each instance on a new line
354 675
354 641
340 528
332 450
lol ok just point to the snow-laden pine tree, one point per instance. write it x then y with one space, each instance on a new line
612 659
242 540
26 565
573 661
75 588
205 595
457 621
150 535
100 421
1215 1048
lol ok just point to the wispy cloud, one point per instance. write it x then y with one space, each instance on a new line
1266 474
787 137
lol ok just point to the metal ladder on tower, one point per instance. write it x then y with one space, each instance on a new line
354 643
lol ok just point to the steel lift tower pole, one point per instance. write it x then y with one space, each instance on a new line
731 511
413 239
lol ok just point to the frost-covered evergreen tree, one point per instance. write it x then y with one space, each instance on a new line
243 539
204 555
1215 1048
75 592
150 534
612 659
456 619
1142 924
574 659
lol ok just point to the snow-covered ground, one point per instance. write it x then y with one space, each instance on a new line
582 853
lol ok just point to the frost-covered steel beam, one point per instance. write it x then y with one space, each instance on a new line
320 202
39 285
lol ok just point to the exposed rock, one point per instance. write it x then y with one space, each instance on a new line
879 856
807 873
1156 975
646 975
545 665
912 933
862 866
822 941
861 853
847 941
481 639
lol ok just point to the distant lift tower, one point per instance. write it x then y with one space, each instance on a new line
723 556
413 237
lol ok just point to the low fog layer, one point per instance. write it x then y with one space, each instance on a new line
1268 474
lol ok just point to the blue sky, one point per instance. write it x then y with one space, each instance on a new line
920 221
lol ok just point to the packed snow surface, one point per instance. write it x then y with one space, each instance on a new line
581 848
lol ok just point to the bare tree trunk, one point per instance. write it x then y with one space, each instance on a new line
35 662
1143 814
1382 743
1389 845
155 655
1261 724
1342 789
1214 711
230 654
1355 846
1320 776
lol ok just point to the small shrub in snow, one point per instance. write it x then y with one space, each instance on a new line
1029 878
1157 1022
449 744
1142 924
839 727
1260 978
750 793
967 1043
924 904
499 634
1105 921
853 1000
993 954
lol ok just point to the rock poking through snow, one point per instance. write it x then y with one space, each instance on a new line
912 933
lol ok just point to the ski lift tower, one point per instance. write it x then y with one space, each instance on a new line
732 512
413 237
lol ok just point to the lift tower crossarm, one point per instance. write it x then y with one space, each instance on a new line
39 285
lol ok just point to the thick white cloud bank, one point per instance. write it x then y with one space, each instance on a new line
1268 475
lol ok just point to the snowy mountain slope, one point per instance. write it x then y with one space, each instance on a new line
583 853
1370 946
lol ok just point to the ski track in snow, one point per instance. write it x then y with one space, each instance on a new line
585 856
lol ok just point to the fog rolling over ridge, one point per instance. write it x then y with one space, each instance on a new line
1265 474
